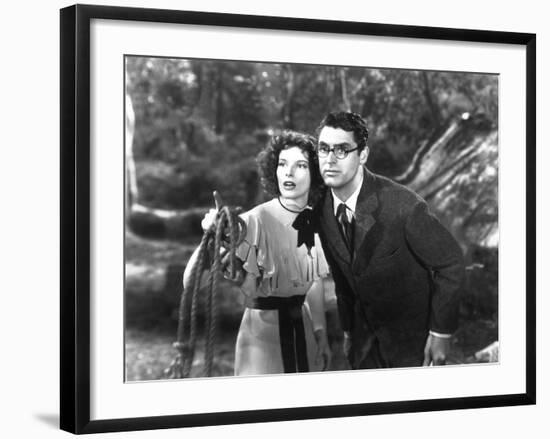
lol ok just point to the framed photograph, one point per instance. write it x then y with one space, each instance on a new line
197 148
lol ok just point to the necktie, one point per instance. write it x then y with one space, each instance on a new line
347 227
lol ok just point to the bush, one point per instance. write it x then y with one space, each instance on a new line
480 299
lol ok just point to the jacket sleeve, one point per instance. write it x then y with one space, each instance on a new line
441 255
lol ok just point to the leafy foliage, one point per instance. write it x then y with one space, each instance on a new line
200 123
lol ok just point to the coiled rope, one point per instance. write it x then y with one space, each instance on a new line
227 232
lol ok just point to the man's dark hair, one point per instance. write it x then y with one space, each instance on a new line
268 161
347 121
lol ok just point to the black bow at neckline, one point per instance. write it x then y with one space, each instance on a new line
305 225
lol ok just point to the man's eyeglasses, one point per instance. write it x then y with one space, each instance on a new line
340 151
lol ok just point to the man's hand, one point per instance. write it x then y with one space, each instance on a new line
324 355
436 350
347 345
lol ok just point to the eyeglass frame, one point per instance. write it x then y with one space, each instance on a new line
333 150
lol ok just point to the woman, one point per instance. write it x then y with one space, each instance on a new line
283 328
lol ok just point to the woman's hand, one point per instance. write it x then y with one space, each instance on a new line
209 220
324 354
347 345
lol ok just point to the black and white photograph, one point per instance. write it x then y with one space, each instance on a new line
276 219
295 218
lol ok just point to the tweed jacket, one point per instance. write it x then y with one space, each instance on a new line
403 276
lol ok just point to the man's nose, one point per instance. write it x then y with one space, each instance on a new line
331 157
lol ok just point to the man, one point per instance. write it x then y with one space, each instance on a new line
397 270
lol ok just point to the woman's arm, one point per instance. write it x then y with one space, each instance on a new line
315 299
193 260
206 223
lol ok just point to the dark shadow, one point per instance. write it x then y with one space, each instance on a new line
49 419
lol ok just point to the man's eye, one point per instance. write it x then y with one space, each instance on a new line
339 150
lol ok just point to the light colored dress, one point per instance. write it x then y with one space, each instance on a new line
281 269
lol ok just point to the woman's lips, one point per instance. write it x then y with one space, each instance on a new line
289 185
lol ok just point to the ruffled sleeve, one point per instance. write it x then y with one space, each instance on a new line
269 252
254 250
320 264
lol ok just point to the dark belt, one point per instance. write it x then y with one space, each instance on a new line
291 329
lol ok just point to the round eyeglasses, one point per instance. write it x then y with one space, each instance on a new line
340 151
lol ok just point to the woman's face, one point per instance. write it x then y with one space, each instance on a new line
293 176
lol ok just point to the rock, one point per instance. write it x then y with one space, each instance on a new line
488 354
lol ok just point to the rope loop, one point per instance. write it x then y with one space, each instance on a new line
219 245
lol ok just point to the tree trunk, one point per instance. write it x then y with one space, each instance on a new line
287 110
343 84
131 187
205 93
457 174
219 123
427 91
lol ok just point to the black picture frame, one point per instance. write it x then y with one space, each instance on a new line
75 217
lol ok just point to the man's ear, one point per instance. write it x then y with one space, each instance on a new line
364 155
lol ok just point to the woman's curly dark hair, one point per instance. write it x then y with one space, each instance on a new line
268 161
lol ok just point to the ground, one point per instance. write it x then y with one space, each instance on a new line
150 352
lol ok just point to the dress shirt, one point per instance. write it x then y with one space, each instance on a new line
351 202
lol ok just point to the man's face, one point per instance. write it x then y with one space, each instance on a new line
340 174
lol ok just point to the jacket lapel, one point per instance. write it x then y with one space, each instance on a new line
365 221
367 203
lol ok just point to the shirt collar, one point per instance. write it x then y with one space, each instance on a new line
351 202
